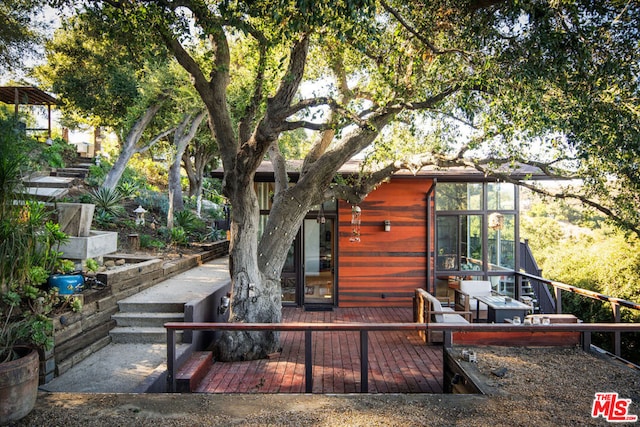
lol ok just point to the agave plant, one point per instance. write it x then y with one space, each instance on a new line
108 200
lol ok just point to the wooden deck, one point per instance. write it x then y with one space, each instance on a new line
399 362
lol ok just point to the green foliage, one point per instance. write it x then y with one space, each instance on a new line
65 266
19 31
59 153
108 201
103 219
127 189
147 241
92 265
179 236
153 201
189 221
28 251
97 173
216 234
603 260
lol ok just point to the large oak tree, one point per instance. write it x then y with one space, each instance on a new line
482 83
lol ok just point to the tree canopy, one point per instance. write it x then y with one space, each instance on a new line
480 83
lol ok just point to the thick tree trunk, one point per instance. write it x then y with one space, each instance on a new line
255 297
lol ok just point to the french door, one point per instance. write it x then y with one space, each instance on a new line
308 276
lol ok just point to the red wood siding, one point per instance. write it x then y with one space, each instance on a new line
384 268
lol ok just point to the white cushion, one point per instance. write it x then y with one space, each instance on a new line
436 306
476 288
454 318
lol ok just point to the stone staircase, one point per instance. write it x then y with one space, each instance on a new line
143 322
56 185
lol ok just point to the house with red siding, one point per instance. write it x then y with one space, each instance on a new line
427 230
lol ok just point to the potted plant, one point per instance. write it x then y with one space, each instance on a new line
66 278
27 255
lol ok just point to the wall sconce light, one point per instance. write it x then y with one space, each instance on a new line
387 225
224 304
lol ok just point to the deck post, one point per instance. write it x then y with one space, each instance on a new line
308 362
586 341
558 293
616 335
447 339
364 361
171 359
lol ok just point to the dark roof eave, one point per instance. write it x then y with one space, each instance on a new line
27 95
265 173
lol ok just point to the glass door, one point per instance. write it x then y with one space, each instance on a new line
319 258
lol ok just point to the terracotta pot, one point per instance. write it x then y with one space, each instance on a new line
18 386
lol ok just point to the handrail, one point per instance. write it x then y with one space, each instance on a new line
364 328
580 291
616 303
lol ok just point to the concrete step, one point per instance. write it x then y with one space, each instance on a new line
193 371
70 172
141 335
143 319
150 307
46 194
50 182
83 165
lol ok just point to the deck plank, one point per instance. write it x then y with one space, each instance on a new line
399 362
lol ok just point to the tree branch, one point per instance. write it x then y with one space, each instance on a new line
279 168
434 49
245 123
154 141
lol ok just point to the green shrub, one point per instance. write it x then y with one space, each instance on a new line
97 173
153 201
59 154
92 265
103 219
127 189
179 237
189 221
147 241
108 200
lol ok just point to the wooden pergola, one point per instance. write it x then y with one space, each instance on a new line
28 95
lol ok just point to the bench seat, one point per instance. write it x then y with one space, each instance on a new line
429 309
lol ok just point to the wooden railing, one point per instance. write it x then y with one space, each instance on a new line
616 303
364 328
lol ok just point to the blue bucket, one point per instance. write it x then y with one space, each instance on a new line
67 284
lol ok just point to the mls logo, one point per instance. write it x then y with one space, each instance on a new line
612 408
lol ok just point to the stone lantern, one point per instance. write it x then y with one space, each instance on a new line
140 211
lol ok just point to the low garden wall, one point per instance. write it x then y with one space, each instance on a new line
78 335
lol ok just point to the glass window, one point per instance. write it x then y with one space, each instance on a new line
459 242
501 196
455 196
502 247
264 191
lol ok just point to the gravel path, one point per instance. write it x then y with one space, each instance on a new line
540 386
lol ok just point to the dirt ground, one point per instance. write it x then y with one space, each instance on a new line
538 386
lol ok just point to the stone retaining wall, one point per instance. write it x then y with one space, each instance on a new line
78 335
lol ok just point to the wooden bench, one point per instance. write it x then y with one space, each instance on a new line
428 309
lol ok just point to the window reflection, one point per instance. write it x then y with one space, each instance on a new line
458 196
501 244
459 243
500 196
